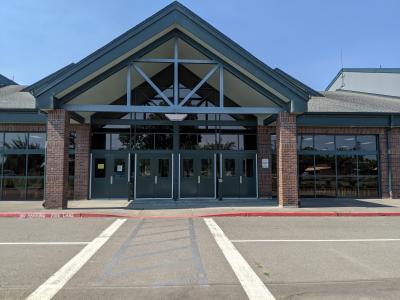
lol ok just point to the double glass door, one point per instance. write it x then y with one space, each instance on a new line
197 175
238 175
153 175
110 175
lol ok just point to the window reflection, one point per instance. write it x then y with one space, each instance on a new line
15 140
345 142
325 142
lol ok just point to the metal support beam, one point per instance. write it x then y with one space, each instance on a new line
173 109
221 86
172 60
152 84
192 92
129 86
176 70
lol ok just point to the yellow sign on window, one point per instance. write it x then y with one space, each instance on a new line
100 166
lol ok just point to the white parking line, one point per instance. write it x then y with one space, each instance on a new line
251 283
313 241
42 243
55 283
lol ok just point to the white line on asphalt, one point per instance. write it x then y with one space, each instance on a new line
55 283
251 283
43 243
301 241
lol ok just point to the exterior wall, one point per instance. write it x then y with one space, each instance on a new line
286 140
23 127
82 156
382 140
264 152
395 161
57 159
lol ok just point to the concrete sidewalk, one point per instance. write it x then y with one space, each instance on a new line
165 208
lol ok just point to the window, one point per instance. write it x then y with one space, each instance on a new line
306 142
163 167
15 140
324 142
188 170
144 141
163 141
37 141
36 165
206 141
366 143
248 166
230 167
14 165
120 141
100 168
206 167
345 142
144 167
228 141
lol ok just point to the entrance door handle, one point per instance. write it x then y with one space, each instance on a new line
198 179
111 179
241 179
155 179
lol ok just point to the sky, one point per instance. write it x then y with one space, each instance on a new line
302 37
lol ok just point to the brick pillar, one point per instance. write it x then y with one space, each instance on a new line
395 161
383 165
57 159
286 136
82 153
264 152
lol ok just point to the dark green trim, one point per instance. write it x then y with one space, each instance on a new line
348 120
293 81
22 117
270 119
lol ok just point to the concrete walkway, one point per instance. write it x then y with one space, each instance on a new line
165 208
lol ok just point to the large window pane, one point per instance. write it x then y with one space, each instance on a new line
366 142
36 165
14 165
325 165
206 167
306 142
325 186
35 188
163 167
347 187
37 141
120 141
345 142
229 141
1 140
273 142
368 187
164 141
324 142
230 167
99 141
307 186
367 165
207 141
144 141
188 141
248 142
188 169
347 165
14 188
144 167
15 140
248 164
306 165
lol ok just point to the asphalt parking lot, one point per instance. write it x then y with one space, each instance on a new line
235 258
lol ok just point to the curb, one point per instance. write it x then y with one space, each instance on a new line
82 215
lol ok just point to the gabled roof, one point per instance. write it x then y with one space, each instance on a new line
178 16
362 70
4 81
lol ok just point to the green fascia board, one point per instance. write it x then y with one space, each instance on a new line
348 120
23 117
173 14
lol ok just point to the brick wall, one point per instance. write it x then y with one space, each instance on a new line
264 152
82 156
286 140
395 161
383 158
57 159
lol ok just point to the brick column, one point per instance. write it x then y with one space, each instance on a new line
264 152
286 136
384 164
82 153
57 159
395 161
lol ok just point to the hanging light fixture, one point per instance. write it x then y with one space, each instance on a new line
176 117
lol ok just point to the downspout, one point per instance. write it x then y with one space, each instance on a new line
389 153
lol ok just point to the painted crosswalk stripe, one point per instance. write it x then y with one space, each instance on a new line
251 283
42 243
316 241
55 283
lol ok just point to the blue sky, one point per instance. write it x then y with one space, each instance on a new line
304 38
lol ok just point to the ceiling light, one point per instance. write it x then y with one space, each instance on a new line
176 117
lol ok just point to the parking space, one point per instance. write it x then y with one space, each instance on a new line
314 258
235 258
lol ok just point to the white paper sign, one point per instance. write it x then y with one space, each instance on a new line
265 163
119 168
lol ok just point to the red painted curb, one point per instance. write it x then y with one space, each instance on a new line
66 215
